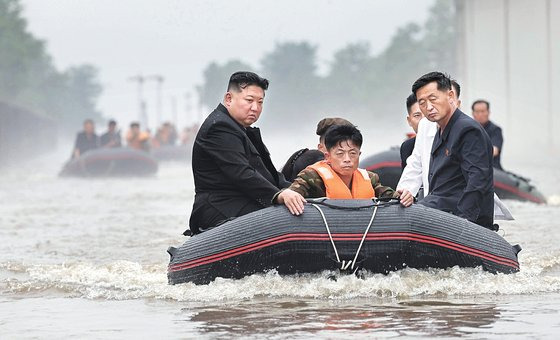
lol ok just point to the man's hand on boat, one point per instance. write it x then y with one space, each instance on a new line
406 197
292 200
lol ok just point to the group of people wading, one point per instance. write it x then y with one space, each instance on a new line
234 174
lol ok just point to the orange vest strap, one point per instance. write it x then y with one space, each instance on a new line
335 187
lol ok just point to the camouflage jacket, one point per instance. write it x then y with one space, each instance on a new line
310 185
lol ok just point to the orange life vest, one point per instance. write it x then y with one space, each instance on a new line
335 187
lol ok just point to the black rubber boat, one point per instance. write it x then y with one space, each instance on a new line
179 153
507 185
415 237
111 162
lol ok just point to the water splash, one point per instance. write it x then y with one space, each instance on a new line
123 280
553 200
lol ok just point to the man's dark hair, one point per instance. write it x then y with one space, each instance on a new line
481 101
411 100
442 80
457 87
112 122
240 80
337 134
134 124
325 123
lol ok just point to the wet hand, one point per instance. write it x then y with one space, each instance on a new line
292 200
406 197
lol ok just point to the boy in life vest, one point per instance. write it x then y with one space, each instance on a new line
338 175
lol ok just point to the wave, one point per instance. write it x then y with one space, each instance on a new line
123 280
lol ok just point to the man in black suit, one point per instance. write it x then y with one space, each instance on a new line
233 172
85 140
460 173
481 113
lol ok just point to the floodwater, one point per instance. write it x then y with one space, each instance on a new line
86 259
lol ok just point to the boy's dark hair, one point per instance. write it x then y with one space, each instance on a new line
481 101
337 134
240 80
134 124
457 87
325 123
443 81
411 100
112 122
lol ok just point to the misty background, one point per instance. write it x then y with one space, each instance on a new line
62 61
71 60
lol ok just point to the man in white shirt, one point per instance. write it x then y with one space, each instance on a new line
415 174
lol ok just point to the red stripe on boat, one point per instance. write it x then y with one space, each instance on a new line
384 165
343 237
517 192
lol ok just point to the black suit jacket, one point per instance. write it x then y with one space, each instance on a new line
300 160
406 150
497 139
461 173
85 143
233 172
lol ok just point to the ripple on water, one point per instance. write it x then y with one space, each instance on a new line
122 280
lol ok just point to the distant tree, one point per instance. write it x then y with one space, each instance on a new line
440 36
20 52
345 86
28 77
358 85
413 50
291 68
81 91
216 77
392 73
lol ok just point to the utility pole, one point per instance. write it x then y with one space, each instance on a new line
188 106
174 110
142 114
159 80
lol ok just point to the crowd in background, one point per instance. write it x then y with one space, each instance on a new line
135 138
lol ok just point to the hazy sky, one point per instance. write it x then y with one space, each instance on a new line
177 39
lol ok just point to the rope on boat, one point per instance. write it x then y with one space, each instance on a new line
346 264
328 229
364 237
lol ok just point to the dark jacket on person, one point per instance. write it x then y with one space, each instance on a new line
461 175
85 143
233 172
300 160
109 137
406 150
497 139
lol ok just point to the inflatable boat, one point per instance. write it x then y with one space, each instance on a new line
111 162
507 185
339 235
179 153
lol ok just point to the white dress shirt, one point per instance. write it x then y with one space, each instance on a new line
415 174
